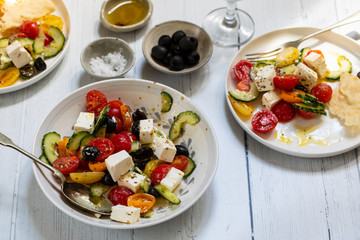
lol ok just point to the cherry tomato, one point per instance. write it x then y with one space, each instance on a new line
264 121
242 73
97 166
242 70
115 108
121 142
20 35
159 173
95 101
126 117
284 111
286 81
306 114
47 40
50 20
105 146
315 51
30 28
66 164
119 195
180 162
322 91
143 201
130 135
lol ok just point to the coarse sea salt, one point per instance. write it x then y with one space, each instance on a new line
109 65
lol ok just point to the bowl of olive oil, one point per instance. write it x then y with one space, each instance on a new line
125 15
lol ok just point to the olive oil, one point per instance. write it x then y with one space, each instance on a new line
127 13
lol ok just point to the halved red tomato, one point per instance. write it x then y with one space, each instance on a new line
264 121
105 146
159 173
95 101
180 162
66 164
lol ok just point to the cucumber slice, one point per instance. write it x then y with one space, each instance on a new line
101 118
135 145
147 214
303 53
145 185
166 101
265 63
189 168
311 100
38 44
345 66
313 109
48 145
4 42
165 193
244 96
288 69
75 139
101 132
178 124
5 61
85 140
56 44
97 189
43 158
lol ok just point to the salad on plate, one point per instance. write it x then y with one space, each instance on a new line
121 154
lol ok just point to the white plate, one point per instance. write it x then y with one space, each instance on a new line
329 136
51 63
200 139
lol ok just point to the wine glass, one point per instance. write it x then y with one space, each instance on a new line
229 26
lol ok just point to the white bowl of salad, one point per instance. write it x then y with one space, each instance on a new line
142 144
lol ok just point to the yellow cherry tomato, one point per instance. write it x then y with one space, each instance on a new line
241 107
50 20
9 76
287 56
143 201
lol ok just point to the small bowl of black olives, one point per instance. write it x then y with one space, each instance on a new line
177 47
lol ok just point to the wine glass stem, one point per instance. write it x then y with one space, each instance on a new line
230 18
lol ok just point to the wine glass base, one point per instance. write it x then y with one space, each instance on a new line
229 35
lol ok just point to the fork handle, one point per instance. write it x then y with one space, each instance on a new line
351 19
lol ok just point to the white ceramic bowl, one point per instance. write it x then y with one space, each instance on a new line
103 46
110 4
200 139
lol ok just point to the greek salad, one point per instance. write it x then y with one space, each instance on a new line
22 55
120 154
295 82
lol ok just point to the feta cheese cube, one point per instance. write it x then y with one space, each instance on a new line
18 54
118 164
317 63
172 179
125 214
307 76
131 180
164 149
270 98
264 78
146 131
85 122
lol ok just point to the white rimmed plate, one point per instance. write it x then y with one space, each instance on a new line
200 140
51 63
326 135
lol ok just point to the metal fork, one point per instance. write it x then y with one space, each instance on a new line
271 53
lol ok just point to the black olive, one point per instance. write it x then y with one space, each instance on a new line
39 64
165 40
192 58
135 129
138 115
177 36
153 192
141 163
111 125
142 153
358 75
90 153
166 60
188 44
107 180
27 71
159 52
182 150
176 50
177 63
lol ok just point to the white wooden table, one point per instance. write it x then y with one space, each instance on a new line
258 193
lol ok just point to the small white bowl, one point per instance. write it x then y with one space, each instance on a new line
104 46
110 4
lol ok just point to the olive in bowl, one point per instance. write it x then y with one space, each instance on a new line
177 47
